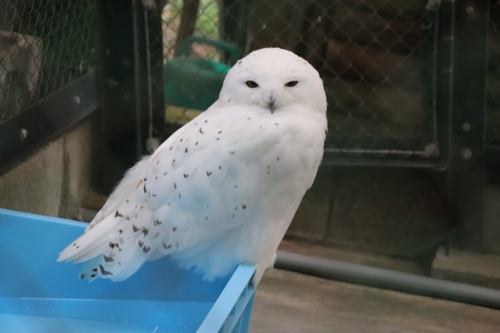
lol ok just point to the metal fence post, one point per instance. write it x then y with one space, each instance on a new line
466 123
127 101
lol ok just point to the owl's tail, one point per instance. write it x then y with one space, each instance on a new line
115 249
91 244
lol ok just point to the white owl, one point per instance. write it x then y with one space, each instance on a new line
223 189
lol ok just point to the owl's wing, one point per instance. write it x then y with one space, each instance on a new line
198 185
126 186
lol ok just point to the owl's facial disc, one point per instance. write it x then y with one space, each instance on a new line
271 99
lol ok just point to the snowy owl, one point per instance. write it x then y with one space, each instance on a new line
223 189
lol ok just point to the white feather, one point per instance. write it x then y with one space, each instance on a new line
224 188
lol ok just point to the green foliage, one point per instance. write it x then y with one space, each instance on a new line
207 23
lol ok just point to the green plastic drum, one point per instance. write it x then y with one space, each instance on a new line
195 83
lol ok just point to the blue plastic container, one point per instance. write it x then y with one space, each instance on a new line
37 294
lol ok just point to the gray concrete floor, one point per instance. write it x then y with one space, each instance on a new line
296 303
292 302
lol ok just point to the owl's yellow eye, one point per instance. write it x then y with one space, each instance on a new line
251 84
291 84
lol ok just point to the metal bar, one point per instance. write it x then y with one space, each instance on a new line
429 57
444 99
466 122
155 50
387 279
118 69
149 78
383 161
154 77
378 151
46 119
137 78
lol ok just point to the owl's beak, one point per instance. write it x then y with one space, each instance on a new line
271 100
271 106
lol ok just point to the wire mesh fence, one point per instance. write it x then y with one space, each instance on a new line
43 46
376 59
493 78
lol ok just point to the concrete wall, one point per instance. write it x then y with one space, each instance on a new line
389 211
491 230
54 179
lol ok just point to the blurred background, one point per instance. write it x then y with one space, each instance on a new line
411 170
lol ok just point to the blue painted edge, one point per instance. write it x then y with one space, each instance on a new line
227 299
14 213
233 323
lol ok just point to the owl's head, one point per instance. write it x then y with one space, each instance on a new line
273 79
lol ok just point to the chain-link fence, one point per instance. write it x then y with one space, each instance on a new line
376 58
493 81
43 46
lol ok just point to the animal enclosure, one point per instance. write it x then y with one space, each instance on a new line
376 59
48 54
44 45
409 83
